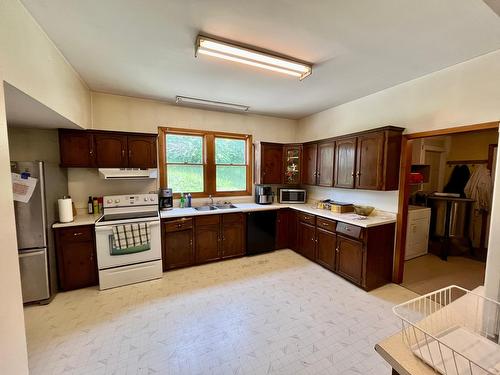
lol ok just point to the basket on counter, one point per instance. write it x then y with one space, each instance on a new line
453 330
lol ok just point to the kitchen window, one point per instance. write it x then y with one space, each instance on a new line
205 163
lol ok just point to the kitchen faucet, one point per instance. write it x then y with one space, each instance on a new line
211 200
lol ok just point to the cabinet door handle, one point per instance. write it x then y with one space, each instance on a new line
358 174
129 153
352 174
123 153
77 234
337 250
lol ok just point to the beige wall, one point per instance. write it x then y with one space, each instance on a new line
472 146
463 94
30 62
114 112
13 355
33 144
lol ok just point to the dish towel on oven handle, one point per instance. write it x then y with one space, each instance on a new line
131 238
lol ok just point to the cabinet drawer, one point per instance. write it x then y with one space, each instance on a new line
76 234
350 230
207 220
178 224
306 218
326 224
236 218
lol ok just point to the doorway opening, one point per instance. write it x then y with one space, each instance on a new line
445 203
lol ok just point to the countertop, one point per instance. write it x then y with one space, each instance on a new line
82 218
376 218
396 353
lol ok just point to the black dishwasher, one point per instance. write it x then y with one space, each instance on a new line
261 231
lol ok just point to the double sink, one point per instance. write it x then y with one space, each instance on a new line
215 207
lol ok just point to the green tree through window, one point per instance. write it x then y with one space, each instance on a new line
230 160
184 163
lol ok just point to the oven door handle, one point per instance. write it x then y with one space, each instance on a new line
102 228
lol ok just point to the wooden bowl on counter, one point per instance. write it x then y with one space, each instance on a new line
363 210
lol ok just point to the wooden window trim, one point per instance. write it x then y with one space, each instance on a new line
209 166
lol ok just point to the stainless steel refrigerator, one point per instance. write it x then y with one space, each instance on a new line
34 219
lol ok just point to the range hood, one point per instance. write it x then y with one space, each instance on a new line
127 173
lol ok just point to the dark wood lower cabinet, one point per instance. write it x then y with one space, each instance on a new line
178 249
306 240
233 235
326 243
76 257
350 259
360 255
207 238
282 233
202 239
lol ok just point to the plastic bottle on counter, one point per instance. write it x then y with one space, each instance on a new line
189 198
90 206
182 203
96 205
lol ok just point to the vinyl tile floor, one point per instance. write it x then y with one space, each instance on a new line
276 313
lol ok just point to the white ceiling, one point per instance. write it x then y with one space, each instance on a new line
146 48
24 111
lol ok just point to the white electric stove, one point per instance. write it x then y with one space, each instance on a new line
128 268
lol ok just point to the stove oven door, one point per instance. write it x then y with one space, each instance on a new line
104 240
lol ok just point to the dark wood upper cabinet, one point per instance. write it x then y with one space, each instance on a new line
369 161
271 163
326 157
292 164
178 249
111 150
141 151
326 243
233 235
350 259
107 149
76 148
345 163
309 167
76 257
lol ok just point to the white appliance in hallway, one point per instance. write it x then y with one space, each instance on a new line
417 233
122 266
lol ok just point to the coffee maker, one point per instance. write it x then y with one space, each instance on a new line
263 194
165 199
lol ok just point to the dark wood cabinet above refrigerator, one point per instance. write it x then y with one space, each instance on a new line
106 149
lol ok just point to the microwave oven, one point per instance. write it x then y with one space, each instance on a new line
292 195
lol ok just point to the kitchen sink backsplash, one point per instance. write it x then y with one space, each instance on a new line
381 200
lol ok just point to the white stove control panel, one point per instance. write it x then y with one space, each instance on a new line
130 200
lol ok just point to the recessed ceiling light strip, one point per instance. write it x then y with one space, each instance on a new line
210 103
227 51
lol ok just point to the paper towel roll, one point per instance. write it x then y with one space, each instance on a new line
65 210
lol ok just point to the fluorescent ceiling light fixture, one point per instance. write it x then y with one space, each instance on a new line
210 104
232 52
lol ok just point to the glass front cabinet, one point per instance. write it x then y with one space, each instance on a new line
292 164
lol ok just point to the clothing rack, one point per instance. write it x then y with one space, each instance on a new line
461 162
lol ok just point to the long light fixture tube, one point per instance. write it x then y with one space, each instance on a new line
232 52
